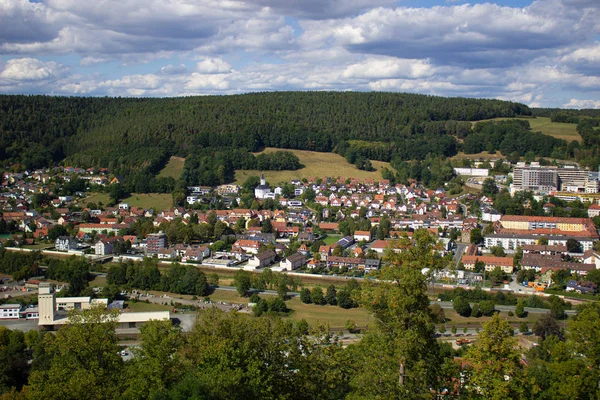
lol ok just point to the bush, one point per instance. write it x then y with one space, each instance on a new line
476 312
462 306
511 314
520 309
487 308
305 296
255 298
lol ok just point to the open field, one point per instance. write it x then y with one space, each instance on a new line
335 316
558 130
173 169
452 318
96 198
316 164
159 201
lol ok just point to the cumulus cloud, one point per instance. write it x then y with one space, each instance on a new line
389 67
576 103
30 69
544 54
213 66
481 34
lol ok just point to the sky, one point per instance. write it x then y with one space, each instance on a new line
544 53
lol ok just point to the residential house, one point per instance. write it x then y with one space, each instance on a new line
293 262
249 246
262 260
362 235
66 243
166 253
196 254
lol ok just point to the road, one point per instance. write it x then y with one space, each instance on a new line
460 249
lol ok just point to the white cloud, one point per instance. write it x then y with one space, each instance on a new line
544 54
389 67
213 66
576 103
30 69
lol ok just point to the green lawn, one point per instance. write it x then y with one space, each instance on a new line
331 239
141 306
318 165
158 201
39 246
98 281
558 130
173 169
96 198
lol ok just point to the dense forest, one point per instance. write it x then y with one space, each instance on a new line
137 136
134 138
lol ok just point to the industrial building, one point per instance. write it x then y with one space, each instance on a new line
53 311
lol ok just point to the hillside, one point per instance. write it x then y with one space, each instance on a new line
137 139
317 165
559 130
144 133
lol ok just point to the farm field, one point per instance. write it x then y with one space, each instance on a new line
558 130
159 201
173 169
316 164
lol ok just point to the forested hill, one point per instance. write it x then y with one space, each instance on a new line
134 138
38 130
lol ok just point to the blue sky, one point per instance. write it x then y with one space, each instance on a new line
542 53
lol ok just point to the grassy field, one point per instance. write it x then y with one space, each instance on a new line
331 239
317 165
558 130
140 306
39 246
173 169
96 198
335 316
159 201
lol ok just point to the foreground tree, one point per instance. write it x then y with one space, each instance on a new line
401 352
85 361
157 363
233 356
495 362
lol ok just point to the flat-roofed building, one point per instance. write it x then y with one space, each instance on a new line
53 312
10 311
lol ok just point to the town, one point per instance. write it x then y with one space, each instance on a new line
324 226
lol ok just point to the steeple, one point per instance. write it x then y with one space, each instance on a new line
262 179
